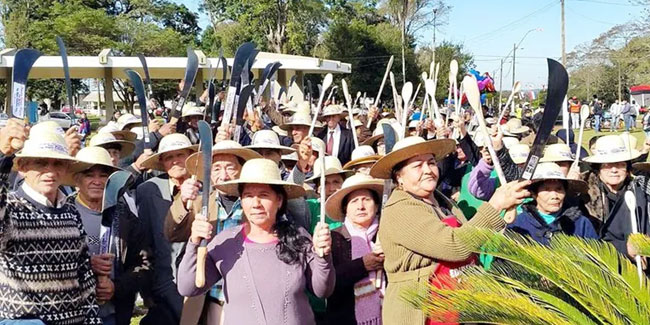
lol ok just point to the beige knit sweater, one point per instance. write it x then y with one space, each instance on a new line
413 239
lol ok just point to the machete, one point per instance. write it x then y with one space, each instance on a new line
138 86
558 85
205 145
147 78
244 97
23 62
266 79
211 95
242 54
191 70
66 74
224 71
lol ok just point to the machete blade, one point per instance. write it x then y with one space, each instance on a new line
66 72
244 96
211 95
147 78
390 138
116 184
558 84
191 70
242 54
138 86
23 62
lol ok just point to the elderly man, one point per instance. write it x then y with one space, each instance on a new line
154 198
225 212
120 273
43 255
338 140
298 128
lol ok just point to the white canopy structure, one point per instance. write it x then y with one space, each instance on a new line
105 66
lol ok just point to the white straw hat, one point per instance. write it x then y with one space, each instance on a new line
127 121
194 163
267 139
362 155
49 146
192 110
104 140
557 152
509 142
377 133
290 157
89 157
611 149
514 127
169 143
334 204
549 170
318 145
299 119
410 147
46 127
139 132
519 153
332 167
331 110
261 171
114 129
291 107
281 132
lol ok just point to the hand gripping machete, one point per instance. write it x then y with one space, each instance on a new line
191 70
23 62
205 145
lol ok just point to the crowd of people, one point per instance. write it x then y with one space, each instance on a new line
397 213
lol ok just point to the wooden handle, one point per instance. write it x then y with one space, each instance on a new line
378 277
188 204
202 252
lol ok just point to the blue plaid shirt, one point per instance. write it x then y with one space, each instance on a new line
224 221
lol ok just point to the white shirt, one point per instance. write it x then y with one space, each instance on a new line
41 199
337 140
614 110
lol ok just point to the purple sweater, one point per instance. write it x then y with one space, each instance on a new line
480 184
259 288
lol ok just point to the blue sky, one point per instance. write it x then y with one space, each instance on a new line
489 28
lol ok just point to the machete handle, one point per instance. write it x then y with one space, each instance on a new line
188 204
202 252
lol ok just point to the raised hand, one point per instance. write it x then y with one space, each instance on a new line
12 136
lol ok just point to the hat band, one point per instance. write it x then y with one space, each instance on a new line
551 174
174 146
611 151
48 146
266 141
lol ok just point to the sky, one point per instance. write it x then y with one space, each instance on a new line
489 29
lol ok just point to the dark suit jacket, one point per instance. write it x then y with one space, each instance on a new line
346 145
154 200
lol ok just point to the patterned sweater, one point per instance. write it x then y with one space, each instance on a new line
45 268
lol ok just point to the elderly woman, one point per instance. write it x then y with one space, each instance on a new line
549 212
418 231
356 299
265 242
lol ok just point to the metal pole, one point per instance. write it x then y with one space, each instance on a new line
563 36
514 52
500 85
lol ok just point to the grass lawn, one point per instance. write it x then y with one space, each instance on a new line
590 133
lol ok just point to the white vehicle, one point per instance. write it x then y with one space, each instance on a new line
64 120
3 119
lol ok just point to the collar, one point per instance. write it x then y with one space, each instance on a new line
41 199
337 129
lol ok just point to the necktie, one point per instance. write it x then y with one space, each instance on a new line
330 143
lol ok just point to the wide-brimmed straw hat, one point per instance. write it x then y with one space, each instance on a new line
89 157
332 110
377 133
169 143
290 157
509 142
290 107
299 119
611 149
127 121
46 127
333 205
277 129
557 152
49 146
410 147
114 129
362 155
105 140
490 120
192 110
267 139
552 171
318 145
519 153
332 167
194 163
514 127
261 171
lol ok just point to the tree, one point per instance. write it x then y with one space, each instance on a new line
445 52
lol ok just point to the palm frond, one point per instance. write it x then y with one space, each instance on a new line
641 243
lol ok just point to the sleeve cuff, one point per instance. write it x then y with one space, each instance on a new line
488 217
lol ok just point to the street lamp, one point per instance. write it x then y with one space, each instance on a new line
514 49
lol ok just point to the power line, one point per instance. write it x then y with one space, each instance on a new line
493 32
611 3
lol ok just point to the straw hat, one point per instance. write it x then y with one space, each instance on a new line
333 205
267 139
362 155
303 107
490 120
479 139
377 134
261 171
192 110
194 163
519 153
317 144
409 147
290 157
127 121
104 140
139 132
556 153
332 110
413 124
169 143
611 149
89 157
631 140
118 132
291 107
332 167
509 142
549 170
299 119
280 131
46 127
514 127
47 145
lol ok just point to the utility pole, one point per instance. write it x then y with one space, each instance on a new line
514 55
563 36
433 48
500 84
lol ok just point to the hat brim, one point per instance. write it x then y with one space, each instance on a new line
126 147
194 163
555 159
439 148
333 204
75 165
372 140
232 187
82 166
612 158
574 185
191 114
153 162
127 135
520 130
287 126
283 149
323 116
361 161
642 167
330 172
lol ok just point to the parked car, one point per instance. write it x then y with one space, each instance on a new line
3 119
64 120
